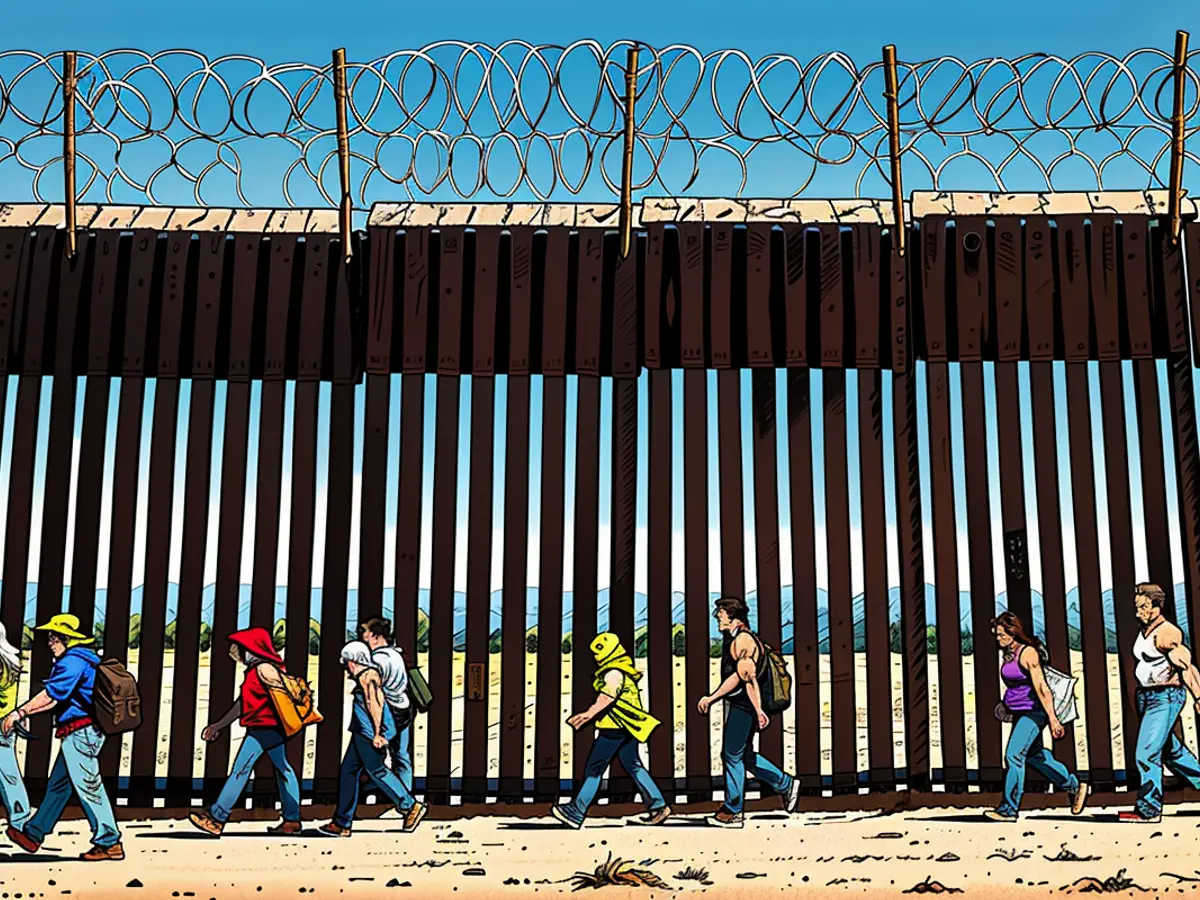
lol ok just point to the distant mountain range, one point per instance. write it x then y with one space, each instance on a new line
602 605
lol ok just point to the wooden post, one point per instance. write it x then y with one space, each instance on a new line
343 145
69 147
891 94
631 71
1179 74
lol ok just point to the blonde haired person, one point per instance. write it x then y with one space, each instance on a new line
13 796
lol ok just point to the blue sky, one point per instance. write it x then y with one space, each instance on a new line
304 31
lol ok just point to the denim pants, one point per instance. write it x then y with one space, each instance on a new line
1157 746
609 743
400 748
77 771
257 742
738 755
363 756
13 796
1025 750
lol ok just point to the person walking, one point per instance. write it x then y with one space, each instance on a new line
1165 676
372 729
388 659
256 712
1028 699
622 725
742 655
68 691
13 796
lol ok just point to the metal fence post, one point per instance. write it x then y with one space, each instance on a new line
891 93
69 59
345 205
1179 74
631 73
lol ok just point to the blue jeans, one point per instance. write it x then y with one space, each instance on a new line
738 755
1157 745
400 748
620 743
257 742
12 789
362 756
77 771
1025 750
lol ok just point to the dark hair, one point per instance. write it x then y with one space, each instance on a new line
1157 597
735 607
378 626
1012 624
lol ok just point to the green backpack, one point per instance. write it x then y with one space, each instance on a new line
418 690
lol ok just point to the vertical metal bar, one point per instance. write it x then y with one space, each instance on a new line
697 612
624 451
719 288
833 310
660 655
891 94
373 506
346 203
655 337
1178 123
69 86
729 438
16 248
795 240
626 220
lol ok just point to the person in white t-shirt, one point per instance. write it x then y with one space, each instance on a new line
376 633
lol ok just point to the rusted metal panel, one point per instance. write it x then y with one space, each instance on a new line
1135 245
729 449
1174 296
16 245
175 283
1105 306
624 507
795 290
841 602
983 585
556 291
690 279
766 530
933 290
1041 304
408 510
210 272
516 523
1091 609
875 566
720 295
415 324
760 334
31 330
1073 288
1009 271
898 295
1191 239
248 248
660 658
697 612
587 514
589 303
910 543
971 293
625 314
487 264
449 300
387 246
832 297
655 338
868 328
945 542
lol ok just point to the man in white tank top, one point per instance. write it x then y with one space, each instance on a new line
376 633
1165 676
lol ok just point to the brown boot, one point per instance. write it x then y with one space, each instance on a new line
115 853
22 840
723 818
414 815
203 820
333 829
285 827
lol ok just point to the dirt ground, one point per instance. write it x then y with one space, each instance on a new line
852 854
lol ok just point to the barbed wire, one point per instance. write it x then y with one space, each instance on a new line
459 120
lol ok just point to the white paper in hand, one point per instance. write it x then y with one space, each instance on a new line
1062 688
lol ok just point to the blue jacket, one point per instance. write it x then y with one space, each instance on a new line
70 684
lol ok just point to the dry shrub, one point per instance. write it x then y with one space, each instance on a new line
617 873
929 886
1117 884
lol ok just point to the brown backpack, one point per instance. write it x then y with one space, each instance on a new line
116 703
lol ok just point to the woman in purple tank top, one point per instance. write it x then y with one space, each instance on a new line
1028 699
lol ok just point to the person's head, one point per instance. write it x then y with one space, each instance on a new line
62 633
253 646
731 612
376 632
1150 602
356 657
606 647
1011 635
10 658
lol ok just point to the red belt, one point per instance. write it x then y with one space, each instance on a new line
72 727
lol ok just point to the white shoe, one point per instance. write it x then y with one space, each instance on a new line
792 799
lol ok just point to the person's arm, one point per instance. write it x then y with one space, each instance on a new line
1169 641
1031 662
269 676
210 732
372 689
38 703
747 671
613 682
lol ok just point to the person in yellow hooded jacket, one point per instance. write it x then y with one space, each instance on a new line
621 726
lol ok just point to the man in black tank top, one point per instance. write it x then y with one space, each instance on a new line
741 657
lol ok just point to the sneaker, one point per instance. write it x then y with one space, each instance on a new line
22 840
1134 817
116 853
723 818
414 815
1079 798
996 816
285 827
792 799
563 816
205 822
333 829
656 816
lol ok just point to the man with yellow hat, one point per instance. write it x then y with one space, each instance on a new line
68 691
622 725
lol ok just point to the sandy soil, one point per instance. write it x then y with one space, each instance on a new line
839 855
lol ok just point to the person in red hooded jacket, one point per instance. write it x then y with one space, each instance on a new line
255 710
